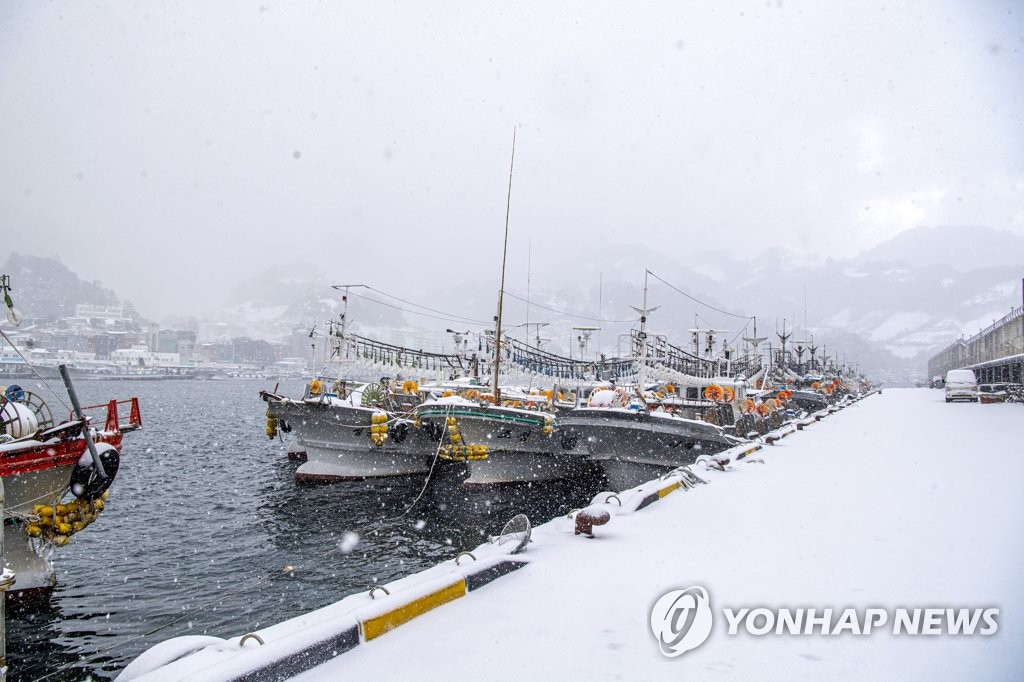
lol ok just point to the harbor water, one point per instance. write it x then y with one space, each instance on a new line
207 533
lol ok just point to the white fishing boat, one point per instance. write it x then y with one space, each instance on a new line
634 438
516 439
353 431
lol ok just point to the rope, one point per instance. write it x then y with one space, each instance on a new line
430 473
38 376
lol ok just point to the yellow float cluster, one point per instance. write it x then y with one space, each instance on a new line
379 430
549 425
58 523
271 425
463 453
453 431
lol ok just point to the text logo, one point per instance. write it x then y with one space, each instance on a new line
681 620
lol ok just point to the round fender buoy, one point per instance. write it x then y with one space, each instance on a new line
86 483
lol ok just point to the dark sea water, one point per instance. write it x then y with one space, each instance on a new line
205 514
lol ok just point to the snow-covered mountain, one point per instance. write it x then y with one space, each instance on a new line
889 308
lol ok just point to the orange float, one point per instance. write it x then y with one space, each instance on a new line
713 392
763 409
728 394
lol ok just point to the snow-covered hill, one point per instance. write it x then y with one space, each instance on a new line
888 308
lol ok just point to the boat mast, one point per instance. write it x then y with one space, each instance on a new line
501 290
642 375
340 341
642 336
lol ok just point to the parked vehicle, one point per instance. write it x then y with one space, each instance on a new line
961 384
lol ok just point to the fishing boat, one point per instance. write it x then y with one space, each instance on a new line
634 439
515 441
504 435
353 431
43 463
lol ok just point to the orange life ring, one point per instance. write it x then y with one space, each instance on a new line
816 385
713 392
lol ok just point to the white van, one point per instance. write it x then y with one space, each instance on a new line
961 384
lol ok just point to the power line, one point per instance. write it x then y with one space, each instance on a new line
454 319
417 305
697 300
567 314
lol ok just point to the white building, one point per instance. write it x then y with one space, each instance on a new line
131 356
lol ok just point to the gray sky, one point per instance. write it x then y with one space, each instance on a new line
172 149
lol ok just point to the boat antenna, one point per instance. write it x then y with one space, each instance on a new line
529 257
642 336
501 290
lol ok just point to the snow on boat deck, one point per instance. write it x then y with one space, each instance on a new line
899 501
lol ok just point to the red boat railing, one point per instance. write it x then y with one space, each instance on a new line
113 422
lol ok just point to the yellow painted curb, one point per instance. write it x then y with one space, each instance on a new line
668 489
375 627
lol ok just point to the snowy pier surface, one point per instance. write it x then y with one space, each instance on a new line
900 501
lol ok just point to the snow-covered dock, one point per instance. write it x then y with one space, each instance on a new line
900 501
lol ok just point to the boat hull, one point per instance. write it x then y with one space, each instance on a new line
633 447
519 448
504 467
336 439
36 474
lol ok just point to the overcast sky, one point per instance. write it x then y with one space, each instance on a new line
173 148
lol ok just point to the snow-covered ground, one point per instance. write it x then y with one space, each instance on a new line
900 501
